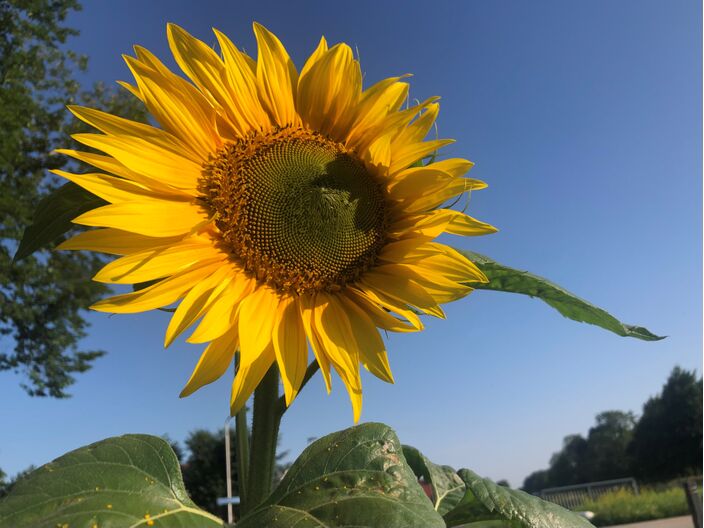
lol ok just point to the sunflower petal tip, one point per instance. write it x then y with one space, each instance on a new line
98 307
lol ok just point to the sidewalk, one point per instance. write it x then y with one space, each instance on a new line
673 522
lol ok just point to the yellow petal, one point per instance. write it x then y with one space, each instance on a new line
379 316
161 294
403 289
371 347
379 153
196 302
456 187
148 159
354 392
440 221
244 83
437 285
276 77
407 155
248 376
393 123
258 313
290 347
178 107
306 306
159 262
222 310
110 188
418 129
314 57
131 89
329 90
111 165
335 336
418 181
395 251
208 72
147 217
333 327
213 362
465 225
447 261
388 303
374 105
455 166
118 126
114 241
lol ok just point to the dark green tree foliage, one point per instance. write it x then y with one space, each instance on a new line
3 484
204 470
568 465
607 455
42 295
536 481
6 484
667 441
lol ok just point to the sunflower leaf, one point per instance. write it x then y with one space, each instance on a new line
355 477
464 498
503 278
53 216
121 481
515 506
447 487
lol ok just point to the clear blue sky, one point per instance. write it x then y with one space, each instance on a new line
585 120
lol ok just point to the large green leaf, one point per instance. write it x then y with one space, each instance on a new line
353 478
126 481
513 505
503 278
464 498
53 216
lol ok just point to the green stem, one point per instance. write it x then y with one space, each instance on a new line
265 431
242 434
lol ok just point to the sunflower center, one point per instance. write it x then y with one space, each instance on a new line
297 210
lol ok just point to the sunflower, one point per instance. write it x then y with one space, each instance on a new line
280 208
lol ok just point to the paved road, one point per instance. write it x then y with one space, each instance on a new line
673 522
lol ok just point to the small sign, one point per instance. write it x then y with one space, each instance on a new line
222 501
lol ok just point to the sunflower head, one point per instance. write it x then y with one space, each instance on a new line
298 210
280 209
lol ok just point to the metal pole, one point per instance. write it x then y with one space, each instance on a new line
695 505
228 472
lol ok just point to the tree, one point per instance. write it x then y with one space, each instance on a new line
7 485
606 456
204 469
42 295
536 481
3 484
667 441
567 466
601 456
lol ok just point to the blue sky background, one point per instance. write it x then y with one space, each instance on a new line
585 120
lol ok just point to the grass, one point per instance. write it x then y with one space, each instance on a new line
623 506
